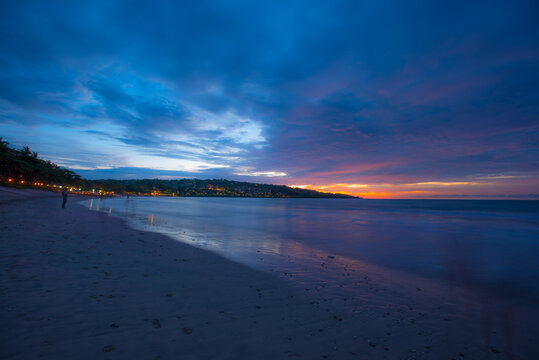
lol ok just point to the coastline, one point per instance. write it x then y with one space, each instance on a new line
80 284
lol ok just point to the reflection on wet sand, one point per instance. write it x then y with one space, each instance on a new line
496 314
445 275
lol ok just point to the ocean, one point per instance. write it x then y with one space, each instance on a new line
488 246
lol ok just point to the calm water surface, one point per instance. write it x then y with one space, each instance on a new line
491 246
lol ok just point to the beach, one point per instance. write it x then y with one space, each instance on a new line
81 284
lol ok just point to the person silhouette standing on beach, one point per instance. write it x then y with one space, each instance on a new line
64 198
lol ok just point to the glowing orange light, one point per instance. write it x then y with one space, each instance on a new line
375 195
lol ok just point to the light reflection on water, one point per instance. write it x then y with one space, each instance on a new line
492 245
480 253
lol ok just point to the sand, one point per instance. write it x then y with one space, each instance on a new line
78 284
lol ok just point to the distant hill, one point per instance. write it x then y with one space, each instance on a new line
25 168
214 187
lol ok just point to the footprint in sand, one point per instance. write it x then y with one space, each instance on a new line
156 324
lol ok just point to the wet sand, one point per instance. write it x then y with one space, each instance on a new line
80 284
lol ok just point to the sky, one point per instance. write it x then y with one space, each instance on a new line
381 99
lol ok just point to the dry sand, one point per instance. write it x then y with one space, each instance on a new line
77 284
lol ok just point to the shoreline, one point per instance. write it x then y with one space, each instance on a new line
88 286
78 283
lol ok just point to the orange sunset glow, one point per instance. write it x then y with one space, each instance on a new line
427 189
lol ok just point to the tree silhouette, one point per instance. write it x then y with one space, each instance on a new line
25 165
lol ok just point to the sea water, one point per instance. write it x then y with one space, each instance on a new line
491 246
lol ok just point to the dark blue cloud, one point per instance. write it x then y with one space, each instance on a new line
334 91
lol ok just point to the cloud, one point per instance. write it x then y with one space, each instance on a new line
347 92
